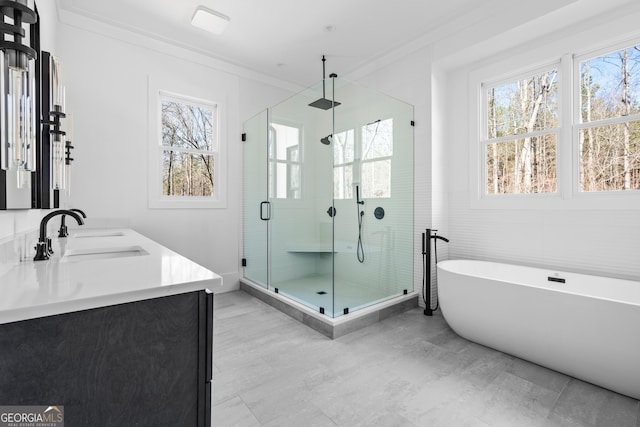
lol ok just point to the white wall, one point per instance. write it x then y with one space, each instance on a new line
592 239
106 72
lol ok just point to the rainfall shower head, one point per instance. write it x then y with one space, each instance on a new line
326 140
324 103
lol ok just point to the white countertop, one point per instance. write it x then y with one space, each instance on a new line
30 289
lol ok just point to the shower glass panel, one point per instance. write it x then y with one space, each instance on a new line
300 192
373 192
337 185
255 199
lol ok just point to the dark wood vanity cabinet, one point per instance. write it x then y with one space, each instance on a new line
143 363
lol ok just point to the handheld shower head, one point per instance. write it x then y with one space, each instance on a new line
326 140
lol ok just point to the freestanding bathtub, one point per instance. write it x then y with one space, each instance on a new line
585 326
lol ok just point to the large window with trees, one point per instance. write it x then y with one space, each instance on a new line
609 122
521 134
540 132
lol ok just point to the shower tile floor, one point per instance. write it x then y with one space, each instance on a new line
316 291
408 370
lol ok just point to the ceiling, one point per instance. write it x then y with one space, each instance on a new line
286 39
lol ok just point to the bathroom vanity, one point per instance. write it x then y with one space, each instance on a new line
114 327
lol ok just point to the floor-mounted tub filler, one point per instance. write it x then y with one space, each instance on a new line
585 326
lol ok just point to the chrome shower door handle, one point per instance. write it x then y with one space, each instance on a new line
266 217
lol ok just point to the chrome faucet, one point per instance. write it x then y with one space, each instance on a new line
63 232
43 247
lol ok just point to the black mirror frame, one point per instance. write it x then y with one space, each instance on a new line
48 198
42 195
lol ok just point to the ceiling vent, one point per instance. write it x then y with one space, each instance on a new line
210 20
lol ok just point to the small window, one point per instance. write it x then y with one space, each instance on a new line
285 162
521 127
609 128
189 148
186 163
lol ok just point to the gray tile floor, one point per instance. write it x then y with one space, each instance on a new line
408 370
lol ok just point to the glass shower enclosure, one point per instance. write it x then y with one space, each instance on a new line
328 198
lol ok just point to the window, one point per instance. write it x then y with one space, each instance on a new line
521 128
189 148
609 122
377 151
186 158
531 144
369 160
285 162
343 160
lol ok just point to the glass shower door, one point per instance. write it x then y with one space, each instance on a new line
255 200
300 194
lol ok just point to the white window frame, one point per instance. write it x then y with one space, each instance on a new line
358 162
288 163
569 196
619 198
478 83
352 163
156 198
362 162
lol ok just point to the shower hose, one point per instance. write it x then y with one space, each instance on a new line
360 250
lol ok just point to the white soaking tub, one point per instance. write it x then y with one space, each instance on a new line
585 326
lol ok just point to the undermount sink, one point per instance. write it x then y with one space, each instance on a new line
98 233
76 255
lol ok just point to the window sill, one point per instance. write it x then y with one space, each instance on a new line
186 203
578 201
